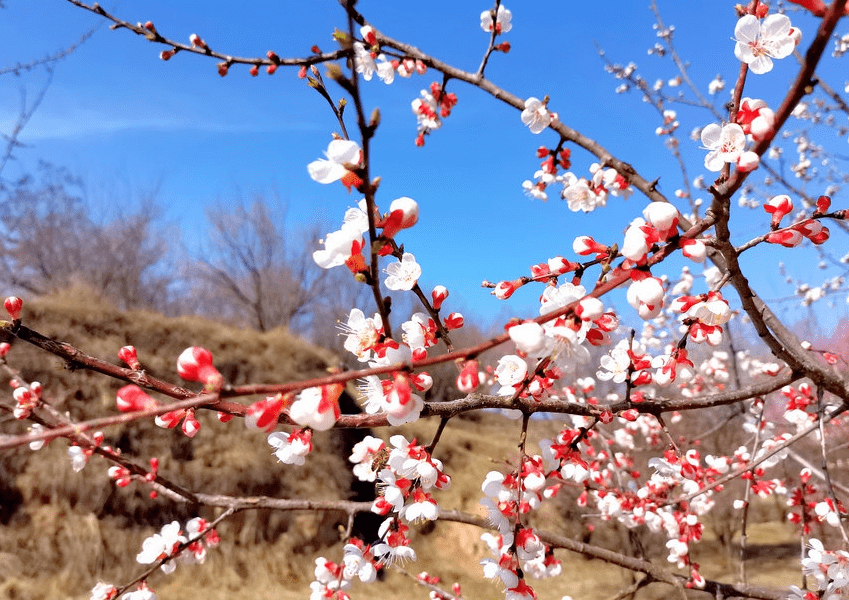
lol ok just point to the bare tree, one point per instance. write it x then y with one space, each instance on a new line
51 241
254 275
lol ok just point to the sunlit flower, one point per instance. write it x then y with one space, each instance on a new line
403 274
758 42
725 143
502 20
340 155
536 115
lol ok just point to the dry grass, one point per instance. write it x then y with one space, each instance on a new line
66 531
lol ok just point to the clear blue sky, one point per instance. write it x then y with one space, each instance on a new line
128 122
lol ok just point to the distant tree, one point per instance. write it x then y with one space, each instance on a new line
51 241
254 274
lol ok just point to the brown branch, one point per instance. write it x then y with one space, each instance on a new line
138 29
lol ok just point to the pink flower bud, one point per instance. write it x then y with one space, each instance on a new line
196 41
748 161
368 35
589 309
262 415
584 245
778 207
663 217
423 381
170 419
399 396
468 380
195 364
439 294
4 349
505 289
454 321
694 250
823 204
129 355
630 415
166 54
559 265
13 306
403 214
190 424
132 398
788 238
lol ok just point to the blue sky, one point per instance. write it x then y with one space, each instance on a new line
128 122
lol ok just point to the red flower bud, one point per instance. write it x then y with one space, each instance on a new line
13 306
128 355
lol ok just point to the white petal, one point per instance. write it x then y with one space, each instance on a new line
747 29
711 135
343 151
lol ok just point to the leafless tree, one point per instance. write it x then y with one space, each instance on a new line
257 274
52 241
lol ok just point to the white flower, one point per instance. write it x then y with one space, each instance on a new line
339 153
510 371
290 449
529 337
103 591
339 246
580 197
162 545
403 274
78 457
502 20
717 85
759 42
312 409
616 363
366 64
725 143
536 115
362 334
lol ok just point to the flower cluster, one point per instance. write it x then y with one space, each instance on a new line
171 543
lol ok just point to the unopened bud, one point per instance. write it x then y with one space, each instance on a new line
13 306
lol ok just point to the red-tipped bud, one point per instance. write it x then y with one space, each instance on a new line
196 41
254 70
170 419
223 68
368 35
4 349
130 357
13 306
778 207
190 424
166 54
589 309
273 57
132 398
454 321
262 415
195 364
423 381
584 245
823 204
270 69
403 213
439 294
468 380
315 49
503 47
505 289
302 73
